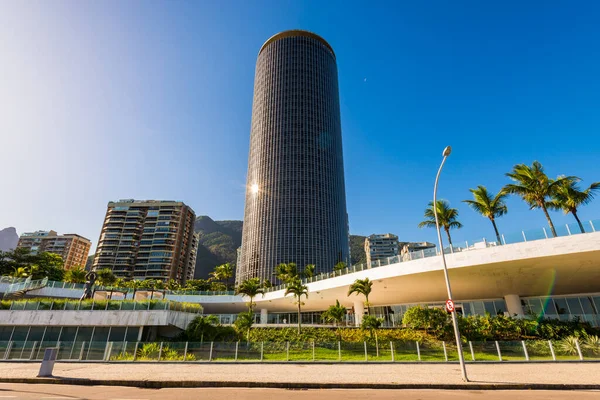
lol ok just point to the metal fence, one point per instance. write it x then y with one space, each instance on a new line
330 352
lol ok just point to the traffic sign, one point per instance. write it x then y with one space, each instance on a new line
449 306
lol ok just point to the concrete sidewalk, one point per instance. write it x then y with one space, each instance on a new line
442 376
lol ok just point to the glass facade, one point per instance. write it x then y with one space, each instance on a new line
295 208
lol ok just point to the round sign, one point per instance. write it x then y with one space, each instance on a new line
449 306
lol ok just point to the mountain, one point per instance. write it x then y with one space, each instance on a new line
8 239
218 245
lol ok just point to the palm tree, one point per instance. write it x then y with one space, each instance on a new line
75 275
488 205
335 313
446 217
244 322
309 270
534 187
361 286
296 288
222 273
372 323
200 325
251 288
568 197
106 277
286 272
339 266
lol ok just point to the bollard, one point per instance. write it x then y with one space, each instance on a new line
339 351
392 351
237 345
472 352
287 351
498 349
418 351
445 351
185 352
262 350
525 350
210 353
47 366
366 356
313 350
552 350
578 349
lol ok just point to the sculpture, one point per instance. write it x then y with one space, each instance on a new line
90 280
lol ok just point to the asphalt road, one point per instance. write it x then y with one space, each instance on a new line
65 392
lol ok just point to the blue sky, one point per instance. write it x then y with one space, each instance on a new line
152 100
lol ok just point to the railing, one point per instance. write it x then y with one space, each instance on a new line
25 285
481 243
99 305
371 351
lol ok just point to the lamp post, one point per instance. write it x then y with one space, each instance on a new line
461 359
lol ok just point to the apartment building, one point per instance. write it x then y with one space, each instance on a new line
419 249
73 249
148 239
382 246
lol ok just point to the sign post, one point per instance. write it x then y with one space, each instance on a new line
50 355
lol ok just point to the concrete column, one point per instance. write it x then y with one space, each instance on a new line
359 311
513 303
263 316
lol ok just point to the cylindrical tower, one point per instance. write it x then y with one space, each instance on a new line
295 196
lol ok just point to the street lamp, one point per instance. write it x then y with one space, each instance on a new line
446 153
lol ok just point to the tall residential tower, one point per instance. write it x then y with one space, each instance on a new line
295 198
148 239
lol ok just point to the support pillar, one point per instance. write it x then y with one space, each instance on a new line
513 304
263 316
359 311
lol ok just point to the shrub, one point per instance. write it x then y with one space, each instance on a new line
434 320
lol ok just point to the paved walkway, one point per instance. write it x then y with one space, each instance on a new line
275 375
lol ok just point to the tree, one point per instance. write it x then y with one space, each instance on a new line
106 277
244 322
222 273
339 266
372 323
446 217
362 286
568 197
49 265
251 288
296 288
75 275
335 314
489 205
202 325
534 187
198 285
286 272
309 271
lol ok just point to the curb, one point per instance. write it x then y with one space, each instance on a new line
149 384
